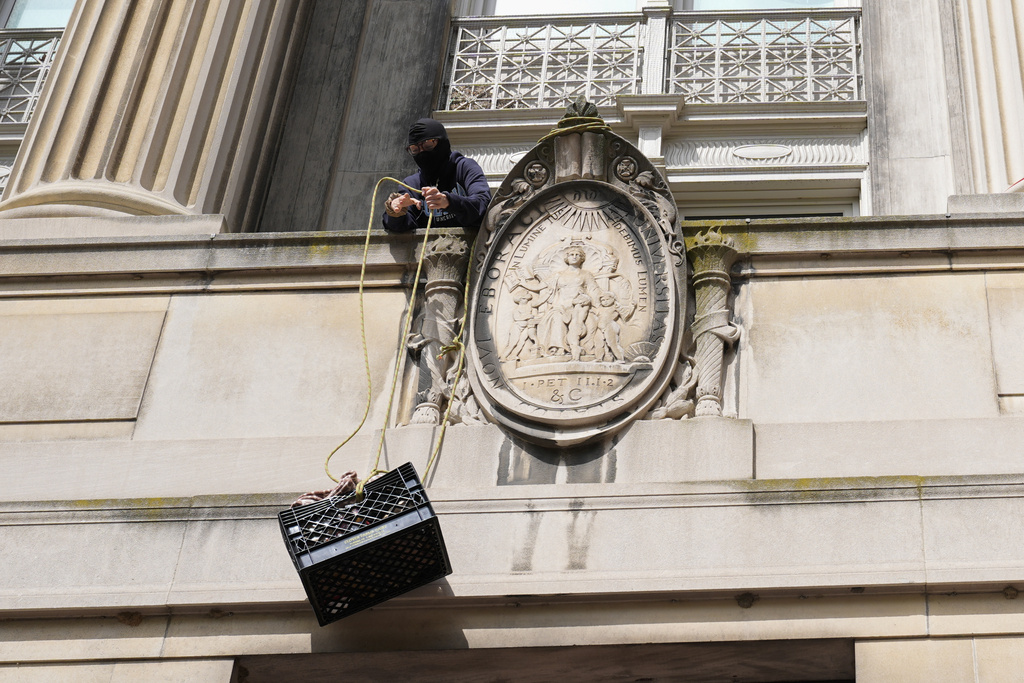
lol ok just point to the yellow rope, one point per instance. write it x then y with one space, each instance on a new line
587 124
362 332
398 359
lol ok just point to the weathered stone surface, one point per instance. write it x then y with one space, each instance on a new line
705 449
315 118
917 661
1006 318
907 93
985 613
251 365
540 540
998 659
82 228
397 60
76 359
882 348
985 203
924 447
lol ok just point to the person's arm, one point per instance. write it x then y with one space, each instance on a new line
403 215
398 212
470 209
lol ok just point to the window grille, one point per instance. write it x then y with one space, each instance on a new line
26 56
498 64
781 57
711 57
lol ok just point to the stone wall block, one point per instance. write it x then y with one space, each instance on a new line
157 107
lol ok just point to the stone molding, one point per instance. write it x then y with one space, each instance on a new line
825 152
765 151
495 160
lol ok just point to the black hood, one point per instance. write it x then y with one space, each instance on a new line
424 129
434 163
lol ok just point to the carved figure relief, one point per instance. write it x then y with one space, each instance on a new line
577 317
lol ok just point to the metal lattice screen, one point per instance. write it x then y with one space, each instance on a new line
499 65
777 58
26 56
25 60
713 57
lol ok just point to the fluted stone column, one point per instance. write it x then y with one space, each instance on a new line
711 256
991 41
158 107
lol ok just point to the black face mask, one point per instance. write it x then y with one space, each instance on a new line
433 163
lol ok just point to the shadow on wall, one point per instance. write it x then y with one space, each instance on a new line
521 462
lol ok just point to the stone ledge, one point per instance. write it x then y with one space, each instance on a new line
60 229
781 536
540 497
648 457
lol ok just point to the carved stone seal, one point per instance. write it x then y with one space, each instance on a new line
576 318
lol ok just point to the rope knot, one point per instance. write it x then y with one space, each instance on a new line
456 345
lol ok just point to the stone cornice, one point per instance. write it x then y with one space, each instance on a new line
207 262
541 497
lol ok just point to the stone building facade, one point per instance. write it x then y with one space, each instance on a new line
180 249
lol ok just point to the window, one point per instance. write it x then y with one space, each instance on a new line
758 4
520 7
36 13
486 8
502 8
30 31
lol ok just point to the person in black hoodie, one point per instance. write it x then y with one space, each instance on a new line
454 186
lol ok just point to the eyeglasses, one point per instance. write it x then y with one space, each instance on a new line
424 146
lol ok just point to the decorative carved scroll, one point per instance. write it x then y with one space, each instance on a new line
677 403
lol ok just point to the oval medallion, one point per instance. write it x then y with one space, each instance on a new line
574 329
762 152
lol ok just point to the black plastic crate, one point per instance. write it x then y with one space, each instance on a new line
353 554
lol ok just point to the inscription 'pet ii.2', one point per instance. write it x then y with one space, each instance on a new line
575 327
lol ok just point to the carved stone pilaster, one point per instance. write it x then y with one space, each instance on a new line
711 256
444 261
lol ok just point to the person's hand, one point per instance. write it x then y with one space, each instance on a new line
403 201
435 198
